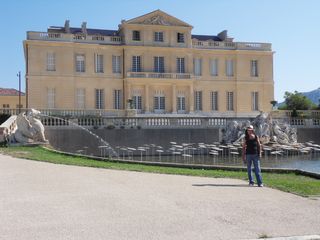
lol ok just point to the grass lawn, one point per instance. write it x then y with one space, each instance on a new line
288 182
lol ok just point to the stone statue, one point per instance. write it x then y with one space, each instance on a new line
266 129
29 128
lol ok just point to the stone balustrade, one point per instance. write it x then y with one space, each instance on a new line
67 37
160 75
136 122
301 113
231 45
117 40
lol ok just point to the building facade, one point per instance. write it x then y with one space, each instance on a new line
10 99
152 61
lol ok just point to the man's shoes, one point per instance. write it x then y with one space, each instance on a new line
251 184
261 185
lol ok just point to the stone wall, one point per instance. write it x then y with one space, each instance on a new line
309 134
72 139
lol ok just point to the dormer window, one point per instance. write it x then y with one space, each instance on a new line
158 36
180 37
136 35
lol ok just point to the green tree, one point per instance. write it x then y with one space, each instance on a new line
296 101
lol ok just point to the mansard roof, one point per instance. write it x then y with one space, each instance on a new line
206 37
90 31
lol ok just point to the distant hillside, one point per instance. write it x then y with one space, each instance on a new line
313 95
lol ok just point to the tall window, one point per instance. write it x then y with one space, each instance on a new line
136 63
117 96
51 61
214 67
80 98
181 104
254 68
229 68
180 65
214 101
158 36
136 35
255 101
158 64
198 100
80 63
137 102
98 60
99 99
159 104
180 37
230 101
51 94
116 67
197 64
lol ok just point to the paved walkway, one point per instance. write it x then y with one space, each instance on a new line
47 201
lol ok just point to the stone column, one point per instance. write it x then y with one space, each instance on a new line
174 98
191 99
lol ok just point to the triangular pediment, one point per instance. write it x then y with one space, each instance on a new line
158 17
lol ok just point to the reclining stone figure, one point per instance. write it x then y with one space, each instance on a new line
29 128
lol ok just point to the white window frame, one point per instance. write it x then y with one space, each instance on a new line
198 100
230 101
254 68
117 99
80 98
181 104
197 66
214 67
98 62
229 68
80 60
214 101
181 65
255 101
137 102
159 103
116 64
158 62
136 64
99 98
51 98
158 37
51 61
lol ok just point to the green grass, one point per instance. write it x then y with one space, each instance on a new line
288 182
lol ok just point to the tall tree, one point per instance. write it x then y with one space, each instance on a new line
296 101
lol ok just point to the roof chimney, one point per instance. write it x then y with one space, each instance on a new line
223 35
67 26
84 27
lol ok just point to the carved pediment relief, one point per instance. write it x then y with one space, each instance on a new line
158 18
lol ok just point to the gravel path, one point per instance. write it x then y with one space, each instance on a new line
46 201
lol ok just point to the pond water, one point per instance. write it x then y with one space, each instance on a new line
309 162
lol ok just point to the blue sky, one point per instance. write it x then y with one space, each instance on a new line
292 26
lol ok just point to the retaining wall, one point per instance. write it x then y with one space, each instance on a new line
73 139
308 134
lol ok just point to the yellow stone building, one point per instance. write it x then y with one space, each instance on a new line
9 100
152 60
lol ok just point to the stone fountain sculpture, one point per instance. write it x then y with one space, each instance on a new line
267 129
29 128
